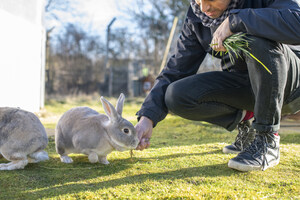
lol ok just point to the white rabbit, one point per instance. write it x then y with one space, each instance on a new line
22 138
84 130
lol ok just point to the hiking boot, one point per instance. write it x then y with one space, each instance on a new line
244 138
261 154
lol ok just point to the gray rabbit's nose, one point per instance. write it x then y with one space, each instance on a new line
135 143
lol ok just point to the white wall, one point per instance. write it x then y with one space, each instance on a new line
22 54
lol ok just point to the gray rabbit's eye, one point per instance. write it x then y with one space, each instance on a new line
126 130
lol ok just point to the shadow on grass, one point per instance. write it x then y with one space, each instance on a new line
173 156
204 171
53 178
20 184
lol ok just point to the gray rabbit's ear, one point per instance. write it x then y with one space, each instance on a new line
120 103
109 109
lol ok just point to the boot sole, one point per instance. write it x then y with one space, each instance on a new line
245 168
229 151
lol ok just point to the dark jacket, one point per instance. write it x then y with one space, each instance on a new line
277 20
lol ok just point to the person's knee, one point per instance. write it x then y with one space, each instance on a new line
171 97
179 102
259 45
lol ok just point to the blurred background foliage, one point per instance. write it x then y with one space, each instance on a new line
80 60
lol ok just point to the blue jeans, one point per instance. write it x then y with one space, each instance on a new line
219 97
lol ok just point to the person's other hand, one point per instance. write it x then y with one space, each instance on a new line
144 130
222 32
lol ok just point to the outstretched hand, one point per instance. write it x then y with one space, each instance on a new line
222 32
144 130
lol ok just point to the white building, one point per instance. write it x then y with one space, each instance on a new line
22 54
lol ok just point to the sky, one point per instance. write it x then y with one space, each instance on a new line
97 14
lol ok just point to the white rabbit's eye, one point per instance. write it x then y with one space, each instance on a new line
126 130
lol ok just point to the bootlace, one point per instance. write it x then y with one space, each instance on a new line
244 130
260 147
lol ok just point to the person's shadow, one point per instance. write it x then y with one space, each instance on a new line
68 181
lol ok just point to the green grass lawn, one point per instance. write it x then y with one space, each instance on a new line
185 161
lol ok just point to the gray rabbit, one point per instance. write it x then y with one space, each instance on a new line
22 138
84 130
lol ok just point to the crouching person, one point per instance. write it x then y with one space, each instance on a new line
244 94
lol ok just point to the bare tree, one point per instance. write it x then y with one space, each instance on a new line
77 62
122 44
75 57
54 12
153 26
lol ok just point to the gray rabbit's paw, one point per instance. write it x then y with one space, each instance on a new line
66 159
103 160
38 157
4 165
20 164
93 157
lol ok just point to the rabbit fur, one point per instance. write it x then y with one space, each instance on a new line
22 138
84 130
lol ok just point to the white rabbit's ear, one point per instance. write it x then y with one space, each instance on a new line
109 109
120 103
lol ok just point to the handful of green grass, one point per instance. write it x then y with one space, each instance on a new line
236 44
